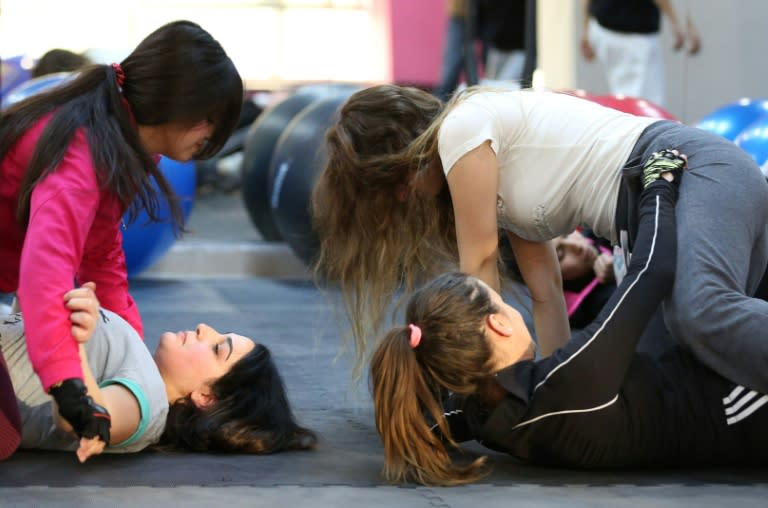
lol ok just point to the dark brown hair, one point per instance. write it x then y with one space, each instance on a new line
409 383
371 242
59 60
251 413
179 73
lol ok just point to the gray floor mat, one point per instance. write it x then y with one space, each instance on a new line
297 323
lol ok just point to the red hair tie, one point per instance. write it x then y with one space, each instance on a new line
415 337
120 74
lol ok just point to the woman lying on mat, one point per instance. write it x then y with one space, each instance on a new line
204 391
594 403
78 158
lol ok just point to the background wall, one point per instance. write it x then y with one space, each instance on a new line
731 64
418 32
270 41
281 42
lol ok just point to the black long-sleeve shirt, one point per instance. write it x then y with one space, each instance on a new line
628 16
597 403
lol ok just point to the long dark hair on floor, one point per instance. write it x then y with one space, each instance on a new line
251 413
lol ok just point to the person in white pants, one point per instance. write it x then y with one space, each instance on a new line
624 36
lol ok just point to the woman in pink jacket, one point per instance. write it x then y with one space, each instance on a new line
73 161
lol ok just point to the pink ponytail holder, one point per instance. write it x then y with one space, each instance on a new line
120 74
415 338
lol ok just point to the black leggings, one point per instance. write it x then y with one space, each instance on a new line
615 332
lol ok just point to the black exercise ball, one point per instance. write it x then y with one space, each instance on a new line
259 146
300 156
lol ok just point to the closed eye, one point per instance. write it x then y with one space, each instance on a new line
217 347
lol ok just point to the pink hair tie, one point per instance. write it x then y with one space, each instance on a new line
120 74
415 338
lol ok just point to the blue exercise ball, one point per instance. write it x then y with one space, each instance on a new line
754 141
14 71
35 86
144 242
729 120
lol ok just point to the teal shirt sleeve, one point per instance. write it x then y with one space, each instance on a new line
144 408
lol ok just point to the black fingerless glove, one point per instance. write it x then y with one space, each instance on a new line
659 163
87 418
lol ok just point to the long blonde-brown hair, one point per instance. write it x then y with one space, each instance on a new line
372 243
408 383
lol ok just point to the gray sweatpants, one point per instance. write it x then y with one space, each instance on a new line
722 219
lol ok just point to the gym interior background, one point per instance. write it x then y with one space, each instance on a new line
276 43
301 58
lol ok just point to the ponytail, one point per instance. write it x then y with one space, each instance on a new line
402 393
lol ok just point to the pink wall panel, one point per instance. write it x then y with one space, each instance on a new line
418 31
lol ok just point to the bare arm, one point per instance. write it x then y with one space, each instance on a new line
668 10
119 401
121 404
541 273
474 183
586 48
694 40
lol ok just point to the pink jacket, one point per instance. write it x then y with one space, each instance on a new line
73 237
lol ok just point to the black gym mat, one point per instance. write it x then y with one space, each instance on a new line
297 323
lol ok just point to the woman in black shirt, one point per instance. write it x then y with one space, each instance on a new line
466 361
